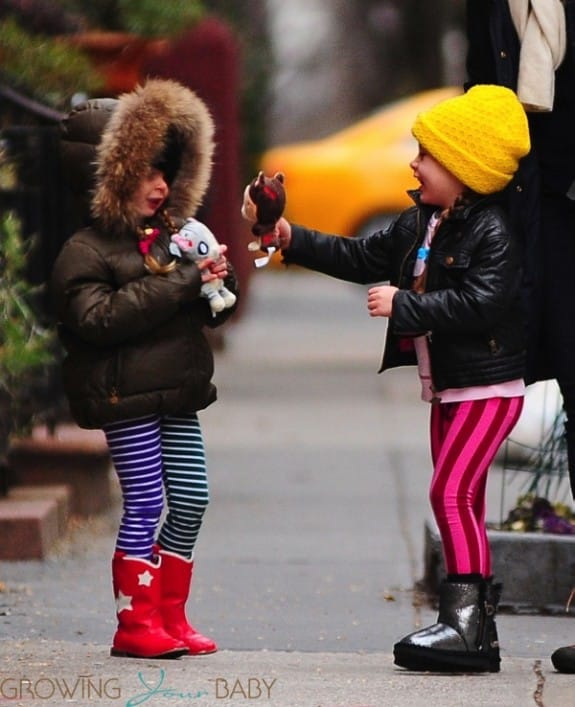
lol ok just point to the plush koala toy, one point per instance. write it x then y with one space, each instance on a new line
196 242
263 205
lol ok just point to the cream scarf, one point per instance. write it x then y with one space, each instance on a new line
540 25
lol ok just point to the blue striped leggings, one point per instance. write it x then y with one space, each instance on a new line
156 456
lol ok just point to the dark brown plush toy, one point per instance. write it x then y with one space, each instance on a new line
263 205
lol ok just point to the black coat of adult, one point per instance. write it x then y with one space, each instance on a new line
549 169
471 311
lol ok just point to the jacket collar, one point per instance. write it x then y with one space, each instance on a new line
461 213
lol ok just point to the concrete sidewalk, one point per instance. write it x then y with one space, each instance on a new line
61 673
310 551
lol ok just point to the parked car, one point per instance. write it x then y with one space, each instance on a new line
355 180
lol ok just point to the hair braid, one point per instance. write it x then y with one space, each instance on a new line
145 242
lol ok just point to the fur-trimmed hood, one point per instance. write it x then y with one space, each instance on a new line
157 121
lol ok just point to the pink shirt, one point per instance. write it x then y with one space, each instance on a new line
509 389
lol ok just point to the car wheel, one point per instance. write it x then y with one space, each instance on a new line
375 223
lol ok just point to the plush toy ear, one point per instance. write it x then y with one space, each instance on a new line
174 249
280 177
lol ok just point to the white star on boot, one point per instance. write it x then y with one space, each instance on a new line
123 602
145 579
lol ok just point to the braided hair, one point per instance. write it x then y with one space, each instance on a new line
146 237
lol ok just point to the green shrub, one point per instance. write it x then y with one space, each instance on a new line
26 348
47 67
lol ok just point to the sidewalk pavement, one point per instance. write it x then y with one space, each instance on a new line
310 550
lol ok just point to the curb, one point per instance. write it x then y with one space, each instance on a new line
536 569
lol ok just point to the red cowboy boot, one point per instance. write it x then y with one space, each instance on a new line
140 632
176 581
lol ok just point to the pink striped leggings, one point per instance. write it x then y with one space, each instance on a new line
465 438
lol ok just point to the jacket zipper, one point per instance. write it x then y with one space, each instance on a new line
114 396
410 250
493 345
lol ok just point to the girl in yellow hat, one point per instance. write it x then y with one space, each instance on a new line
454 311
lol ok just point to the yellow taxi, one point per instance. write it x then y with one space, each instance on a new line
355 180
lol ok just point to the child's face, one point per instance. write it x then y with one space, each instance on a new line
438 186
151 193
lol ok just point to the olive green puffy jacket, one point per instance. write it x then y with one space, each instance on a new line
134 340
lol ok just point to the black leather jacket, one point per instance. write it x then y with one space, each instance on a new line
471 310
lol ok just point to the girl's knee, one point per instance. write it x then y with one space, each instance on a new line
189 508
148 514
436 499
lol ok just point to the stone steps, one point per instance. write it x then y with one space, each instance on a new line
32 519
51 478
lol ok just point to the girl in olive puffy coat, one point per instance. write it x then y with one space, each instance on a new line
138 364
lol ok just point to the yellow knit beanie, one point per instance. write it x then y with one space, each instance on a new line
479 136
